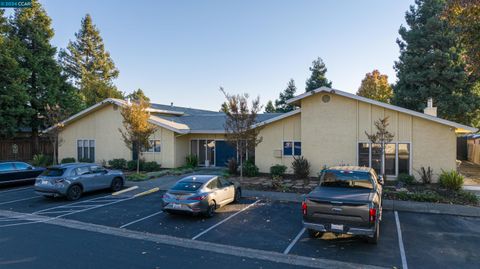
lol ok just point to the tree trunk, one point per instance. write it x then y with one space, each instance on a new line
138 165
241 166
35 143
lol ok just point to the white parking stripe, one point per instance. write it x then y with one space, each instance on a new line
17 189
66 205
138 220
400 242
219 223
18 200
294 241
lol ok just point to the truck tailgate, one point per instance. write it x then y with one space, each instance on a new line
348 207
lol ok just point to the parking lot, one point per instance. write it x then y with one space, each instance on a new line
428 241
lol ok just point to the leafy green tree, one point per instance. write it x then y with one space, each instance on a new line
138 95
464 17
89 65
281 103
431 65
13 92
375 86
269 108
45 84
317 78
136 128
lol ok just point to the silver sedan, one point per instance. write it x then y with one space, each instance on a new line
200 194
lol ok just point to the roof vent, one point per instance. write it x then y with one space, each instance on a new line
430 109
171 104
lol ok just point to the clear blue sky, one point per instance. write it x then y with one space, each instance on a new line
183 51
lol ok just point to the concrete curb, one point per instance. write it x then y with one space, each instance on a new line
405 206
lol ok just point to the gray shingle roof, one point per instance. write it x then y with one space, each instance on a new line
204 120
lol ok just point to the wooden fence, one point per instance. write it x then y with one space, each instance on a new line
24 149
473 149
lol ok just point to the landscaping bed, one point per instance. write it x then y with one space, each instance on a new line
433 193
266 183
142 176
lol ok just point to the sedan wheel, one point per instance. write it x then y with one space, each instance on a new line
117 184
211 210
238 195
74 193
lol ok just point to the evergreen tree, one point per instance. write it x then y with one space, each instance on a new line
45 84
137 96
13 92
281 103
431 65
375 86
317 78
269 108
89 65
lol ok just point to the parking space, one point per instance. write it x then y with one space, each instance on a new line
429 241
385 253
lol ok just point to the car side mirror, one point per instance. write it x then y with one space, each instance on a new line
380 180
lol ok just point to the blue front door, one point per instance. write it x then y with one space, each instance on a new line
223 152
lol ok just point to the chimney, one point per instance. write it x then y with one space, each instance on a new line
430 109
171 104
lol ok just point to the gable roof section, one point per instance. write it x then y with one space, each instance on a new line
277 117
177 119
461 127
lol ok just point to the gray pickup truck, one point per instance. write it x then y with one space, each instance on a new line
347 201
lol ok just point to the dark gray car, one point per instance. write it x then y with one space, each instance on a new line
73 179
200 194
347 201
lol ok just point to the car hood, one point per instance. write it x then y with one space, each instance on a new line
328 194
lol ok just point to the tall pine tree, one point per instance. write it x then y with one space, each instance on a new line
13 92
281 103
317 78
89 65
270 108
431 65
45 84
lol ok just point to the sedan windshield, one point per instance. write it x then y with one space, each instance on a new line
53 172
346 179
187 186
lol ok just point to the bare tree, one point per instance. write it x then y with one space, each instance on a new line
382 137
239 123
137 128
53 117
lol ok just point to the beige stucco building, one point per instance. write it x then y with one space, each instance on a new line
328 128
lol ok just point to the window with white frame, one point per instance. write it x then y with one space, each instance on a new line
86 150
397 157
154 146
292 148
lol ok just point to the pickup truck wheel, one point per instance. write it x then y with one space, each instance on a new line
376 236
314 234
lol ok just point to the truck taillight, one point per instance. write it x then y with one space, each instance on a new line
372 215
304 208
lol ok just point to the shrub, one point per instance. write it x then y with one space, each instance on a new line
41 160
68 160
232 166
118 163
451 180
151 166
132 165
468 197
278 171
426 175
250 169
191 161
301 167
406 178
